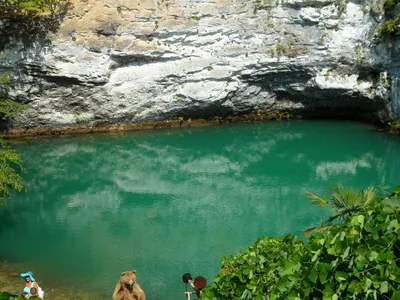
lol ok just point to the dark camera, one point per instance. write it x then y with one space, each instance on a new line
198 284
186 277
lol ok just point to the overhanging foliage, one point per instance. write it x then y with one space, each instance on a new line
9 178
10 161
356 260
28 20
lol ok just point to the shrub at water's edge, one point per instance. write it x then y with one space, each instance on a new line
359 259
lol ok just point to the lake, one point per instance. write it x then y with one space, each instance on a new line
174 201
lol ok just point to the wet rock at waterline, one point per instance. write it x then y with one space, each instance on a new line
126 61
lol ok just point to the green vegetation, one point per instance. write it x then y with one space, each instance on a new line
280 49
271 52
7 296
341 6
266 5
359 54
393 126
287 50
210 68
269 26
29 6
156 25
389 28
9 158
358 259
327 75
22 20
364 9
344 202
10 161
181 120
322 38
29 20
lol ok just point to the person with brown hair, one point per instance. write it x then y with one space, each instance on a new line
34 292
198 284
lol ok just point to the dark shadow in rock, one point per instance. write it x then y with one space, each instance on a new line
28 26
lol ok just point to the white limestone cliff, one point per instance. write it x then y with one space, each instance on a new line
118 61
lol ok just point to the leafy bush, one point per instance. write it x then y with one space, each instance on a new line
356 260
258 271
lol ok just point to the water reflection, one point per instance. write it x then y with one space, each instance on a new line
175 201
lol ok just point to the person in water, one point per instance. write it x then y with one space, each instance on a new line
30 282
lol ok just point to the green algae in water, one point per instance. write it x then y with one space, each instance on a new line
175 201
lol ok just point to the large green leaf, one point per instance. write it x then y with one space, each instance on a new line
357 259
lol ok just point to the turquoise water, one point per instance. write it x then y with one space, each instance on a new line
175 201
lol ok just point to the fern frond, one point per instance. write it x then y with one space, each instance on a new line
316 200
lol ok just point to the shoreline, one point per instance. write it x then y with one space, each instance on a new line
74 130
11 282
21 133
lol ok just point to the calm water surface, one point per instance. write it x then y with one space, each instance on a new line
175 201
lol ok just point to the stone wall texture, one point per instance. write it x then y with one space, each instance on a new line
122 61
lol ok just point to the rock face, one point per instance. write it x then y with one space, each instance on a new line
117 61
